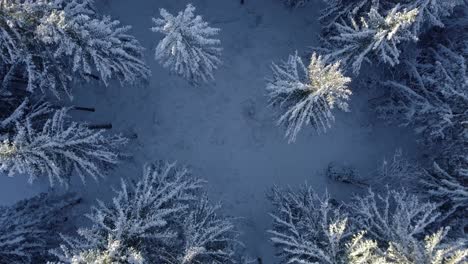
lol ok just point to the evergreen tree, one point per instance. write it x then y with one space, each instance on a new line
30 227
189 47
308 228
389 229
375 37
48 43
43 142
163 218
308 95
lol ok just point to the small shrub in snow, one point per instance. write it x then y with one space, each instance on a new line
308 95
189 47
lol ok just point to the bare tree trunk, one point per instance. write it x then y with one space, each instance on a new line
242 2
259 259
93 76
87 109
100 126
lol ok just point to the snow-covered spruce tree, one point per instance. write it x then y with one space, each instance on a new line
308 228
430 250
448 188
47 43
431 12
390 229
51 145
308 95
431 95
339 10
30 227
189 47
208 238
397 217
112 252
17 110
164 218
375 37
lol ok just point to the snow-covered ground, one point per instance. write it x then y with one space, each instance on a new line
224 131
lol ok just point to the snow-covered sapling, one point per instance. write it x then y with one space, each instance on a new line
189 47
57 147
30 227
375 36
49 43
308 95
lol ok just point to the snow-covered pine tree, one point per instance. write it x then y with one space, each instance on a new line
163 218
375 37
189 47
43 142
47 43
308 228
30 227
308 95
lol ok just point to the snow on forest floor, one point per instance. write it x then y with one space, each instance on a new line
224 131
